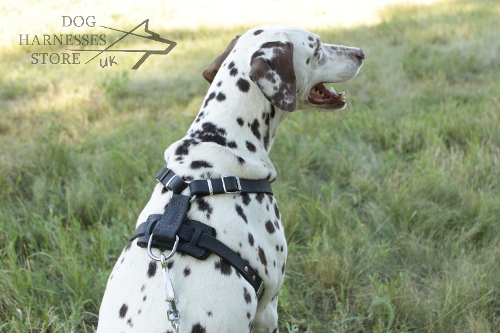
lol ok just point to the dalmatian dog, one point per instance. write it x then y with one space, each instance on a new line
256 83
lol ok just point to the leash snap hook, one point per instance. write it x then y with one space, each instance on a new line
172 312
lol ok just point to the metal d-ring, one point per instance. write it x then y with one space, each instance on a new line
174 248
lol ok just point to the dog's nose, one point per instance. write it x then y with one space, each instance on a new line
360 54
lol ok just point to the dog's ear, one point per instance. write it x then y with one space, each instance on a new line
272 70
212 69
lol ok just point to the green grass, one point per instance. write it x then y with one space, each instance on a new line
391 207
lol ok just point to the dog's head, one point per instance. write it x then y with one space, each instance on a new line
291 66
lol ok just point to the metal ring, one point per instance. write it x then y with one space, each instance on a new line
174 248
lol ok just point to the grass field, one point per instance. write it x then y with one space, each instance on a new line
391 206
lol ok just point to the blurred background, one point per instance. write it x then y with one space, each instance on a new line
391 206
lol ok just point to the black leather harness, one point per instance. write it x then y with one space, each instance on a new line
163 231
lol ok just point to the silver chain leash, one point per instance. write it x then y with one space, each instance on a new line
172 312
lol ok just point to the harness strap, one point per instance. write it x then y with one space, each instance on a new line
189 234
198 240
171 220
204 187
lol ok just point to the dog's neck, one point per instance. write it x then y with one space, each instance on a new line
233 133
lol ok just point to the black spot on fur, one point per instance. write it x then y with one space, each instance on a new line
258 32
318 48
170 264
240 212
187 271
260 197
283 268
266 117
241 160
204 207
262 256
151 268
255 128
123 311
277 224
197 328
198 164
310 38
311 45
246 199
232 145
273 111
209 132
199 117
143 288
231 65
209 98
276 211
266 140
240 121
270 227
224 267
250 239
129 245
129 322
307 61
220 97
183 149
243 84
251 147
233 71
209 313
219 83
246 295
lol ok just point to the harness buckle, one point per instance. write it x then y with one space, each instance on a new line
210 188
169 181
231 188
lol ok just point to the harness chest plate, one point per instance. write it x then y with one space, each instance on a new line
172 229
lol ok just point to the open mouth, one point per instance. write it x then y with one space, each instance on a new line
322 97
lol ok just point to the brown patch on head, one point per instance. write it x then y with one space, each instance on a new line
212 69
273 72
